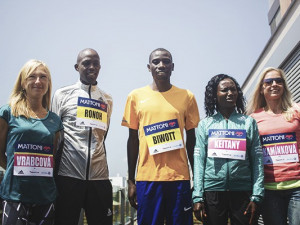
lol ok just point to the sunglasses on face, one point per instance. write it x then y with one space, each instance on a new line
270 81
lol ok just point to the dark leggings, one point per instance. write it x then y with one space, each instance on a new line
18 213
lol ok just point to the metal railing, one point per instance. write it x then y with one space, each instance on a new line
124 214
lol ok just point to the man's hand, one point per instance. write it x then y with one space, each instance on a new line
199 211
132 194
251 208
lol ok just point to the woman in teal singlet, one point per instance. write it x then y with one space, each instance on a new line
29 133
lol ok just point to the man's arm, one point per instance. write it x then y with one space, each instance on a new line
190 144
132 156
58 148
108 121
3 136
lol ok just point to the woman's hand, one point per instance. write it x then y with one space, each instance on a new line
199 210
251 208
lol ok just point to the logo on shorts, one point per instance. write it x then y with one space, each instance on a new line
186 208
109 213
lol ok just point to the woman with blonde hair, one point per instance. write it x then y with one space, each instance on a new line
278 120
29 134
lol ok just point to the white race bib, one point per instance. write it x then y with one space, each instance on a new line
227 143
163 136
33 160
279 148
91 113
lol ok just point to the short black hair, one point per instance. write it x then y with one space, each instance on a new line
210 100
81 53
162 50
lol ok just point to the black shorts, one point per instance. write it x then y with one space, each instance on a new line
94 196
221 205
18 213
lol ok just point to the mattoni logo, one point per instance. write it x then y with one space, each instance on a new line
172 124
238 133
47 148
289 136
103 106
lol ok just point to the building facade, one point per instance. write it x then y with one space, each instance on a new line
283 48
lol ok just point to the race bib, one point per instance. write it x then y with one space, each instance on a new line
91 113
229 143
33 160
163 136
279 148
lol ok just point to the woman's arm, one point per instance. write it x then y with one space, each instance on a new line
3 137
256 160
199 168
257 171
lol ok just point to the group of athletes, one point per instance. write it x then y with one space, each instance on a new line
245 160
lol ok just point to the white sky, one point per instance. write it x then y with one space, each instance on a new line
205 37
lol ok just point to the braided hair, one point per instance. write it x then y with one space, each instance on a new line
210 100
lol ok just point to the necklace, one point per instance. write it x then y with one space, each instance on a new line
38 114
272 112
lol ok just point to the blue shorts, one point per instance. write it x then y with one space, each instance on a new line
169 201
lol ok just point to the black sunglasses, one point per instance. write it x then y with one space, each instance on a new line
270 81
